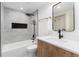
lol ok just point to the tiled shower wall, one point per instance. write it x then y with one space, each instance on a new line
9 35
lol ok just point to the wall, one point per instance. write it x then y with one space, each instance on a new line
0 29
9 35
46 12
45 26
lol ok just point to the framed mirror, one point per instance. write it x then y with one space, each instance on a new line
63 16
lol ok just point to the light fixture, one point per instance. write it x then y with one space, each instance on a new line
21 8
58 6
50 3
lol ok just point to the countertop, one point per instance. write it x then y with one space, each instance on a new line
66 44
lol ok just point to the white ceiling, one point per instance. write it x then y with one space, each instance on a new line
28 7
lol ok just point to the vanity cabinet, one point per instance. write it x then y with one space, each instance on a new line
48 50
45 50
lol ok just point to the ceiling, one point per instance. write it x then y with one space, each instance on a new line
27 7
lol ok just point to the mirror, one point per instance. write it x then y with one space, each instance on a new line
63 16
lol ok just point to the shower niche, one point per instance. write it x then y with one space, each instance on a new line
19 25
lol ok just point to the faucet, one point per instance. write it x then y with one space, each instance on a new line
60 34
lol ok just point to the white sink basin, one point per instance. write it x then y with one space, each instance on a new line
56 40
60 41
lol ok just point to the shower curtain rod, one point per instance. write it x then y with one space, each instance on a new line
46 18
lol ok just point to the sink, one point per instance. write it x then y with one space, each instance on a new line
61 41
56 40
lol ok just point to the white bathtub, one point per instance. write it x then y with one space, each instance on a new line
17 49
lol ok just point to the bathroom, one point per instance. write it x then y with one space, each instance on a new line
37 21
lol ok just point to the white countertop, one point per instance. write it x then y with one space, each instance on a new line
69 45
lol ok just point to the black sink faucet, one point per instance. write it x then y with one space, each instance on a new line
60 34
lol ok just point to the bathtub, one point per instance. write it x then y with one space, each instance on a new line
17 49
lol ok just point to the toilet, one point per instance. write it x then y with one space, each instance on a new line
31 50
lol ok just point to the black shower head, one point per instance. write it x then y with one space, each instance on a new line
29 14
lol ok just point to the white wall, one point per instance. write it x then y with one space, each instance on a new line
46 12
9 35
44 26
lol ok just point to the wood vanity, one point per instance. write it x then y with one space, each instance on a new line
48 50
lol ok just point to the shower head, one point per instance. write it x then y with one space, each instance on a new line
29 14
